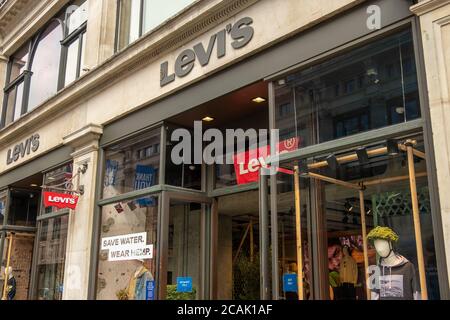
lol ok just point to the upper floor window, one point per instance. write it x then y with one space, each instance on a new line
49 61
137 17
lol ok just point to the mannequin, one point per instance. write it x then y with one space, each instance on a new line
348 274
11 284
138 283
397 278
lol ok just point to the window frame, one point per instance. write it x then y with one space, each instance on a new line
25 76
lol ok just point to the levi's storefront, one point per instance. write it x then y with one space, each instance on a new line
354 155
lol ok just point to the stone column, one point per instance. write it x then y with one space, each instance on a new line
79 237
435 32
100 33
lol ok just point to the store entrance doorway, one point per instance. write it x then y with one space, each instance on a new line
18 231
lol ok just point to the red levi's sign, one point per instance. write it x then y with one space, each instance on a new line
60 200
248 170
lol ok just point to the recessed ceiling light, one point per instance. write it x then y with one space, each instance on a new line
208 119
259 100
33 185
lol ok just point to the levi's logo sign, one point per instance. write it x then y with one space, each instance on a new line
60 200
240 34
22 149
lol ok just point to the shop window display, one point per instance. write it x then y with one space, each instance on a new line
132 165
337 192
127 262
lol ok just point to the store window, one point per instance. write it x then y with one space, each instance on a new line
3 197
74 43
127 262
369 87
132 164
186 175
50 60
346 192
45 65
52 239
138 17
23 208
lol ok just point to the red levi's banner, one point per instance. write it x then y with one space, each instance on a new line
253 160
60 200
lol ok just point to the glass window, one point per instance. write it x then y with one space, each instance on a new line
127 262
3 197
45 65
132 164
182 175
337 209
72 62
138 17
19 62
76 15
52 239
23 208
74 50
367 88
157 11
14 99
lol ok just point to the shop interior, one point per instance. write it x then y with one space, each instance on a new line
347 194
18 233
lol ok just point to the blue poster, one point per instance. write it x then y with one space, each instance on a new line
290 282
144 178
150 290
111 172
184 284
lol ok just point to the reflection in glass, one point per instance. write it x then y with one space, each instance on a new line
60 177
23 208
52 240
132 165
45 65
367 88
157 11
72 62
184 250
387 202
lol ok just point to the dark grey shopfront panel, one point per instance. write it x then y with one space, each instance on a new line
322 38
37 165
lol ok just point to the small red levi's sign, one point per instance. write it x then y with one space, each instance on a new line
60 200
253 160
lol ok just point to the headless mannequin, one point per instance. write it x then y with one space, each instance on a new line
388 258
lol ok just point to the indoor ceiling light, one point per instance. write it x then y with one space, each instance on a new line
208 119
33 185
259 100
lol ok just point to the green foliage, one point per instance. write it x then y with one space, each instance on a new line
246 279
172 293
384 233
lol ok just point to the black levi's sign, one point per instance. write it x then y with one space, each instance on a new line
241 33
22 149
